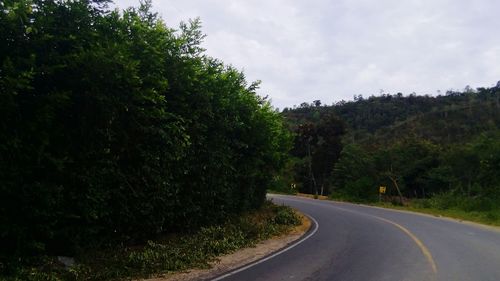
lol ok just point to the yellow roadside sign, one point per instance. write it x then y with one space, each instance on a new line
382 189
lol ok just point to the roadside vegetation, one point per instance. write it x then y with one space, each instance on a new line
116 130
122 145
439 155
453 207
169 253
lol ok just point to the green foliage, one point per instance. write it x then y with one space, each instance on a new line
473 168
285 216
115 128
442 152
421 169
359 190
316 149
283 184
172 253
354 163
382 120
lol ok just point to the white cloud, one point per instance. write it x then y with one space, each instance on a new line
332 50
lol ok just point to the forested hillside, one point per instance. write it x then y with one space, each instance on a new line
450 118
445 149
115 128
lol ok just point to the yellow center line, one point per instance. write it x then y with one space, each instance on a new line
417 241
427 254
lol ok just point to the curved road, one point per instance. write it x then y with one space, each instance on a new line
354 242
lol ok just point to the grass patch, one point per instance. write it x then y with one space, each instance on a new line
475 209
490 217
167 254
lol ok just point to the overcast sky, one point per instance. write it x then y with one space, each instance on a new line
305 50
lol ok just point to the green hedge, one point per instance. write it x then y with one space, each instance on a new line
115 127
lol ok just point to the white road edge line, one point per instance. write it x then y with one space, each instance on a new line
316 226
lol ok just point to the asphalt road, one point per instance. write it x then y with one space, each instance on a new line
354 242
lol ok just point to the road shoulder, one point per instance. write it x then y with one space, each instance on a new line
241 257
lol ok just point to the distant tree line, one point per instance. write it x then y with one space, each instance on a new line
446 146
421 169
115 127
456 116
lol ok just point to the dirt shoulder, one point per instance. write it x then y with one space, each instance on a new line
320 197
241 257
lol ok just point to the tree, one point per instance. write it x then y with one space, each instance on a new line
320 145
116 128
354 175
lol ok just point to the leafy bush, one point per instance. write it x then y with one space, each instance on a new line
451 200
170 253
360 190
116 128
285 216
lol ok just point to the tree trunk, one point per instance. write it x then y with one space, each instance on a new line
311 174
397 188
